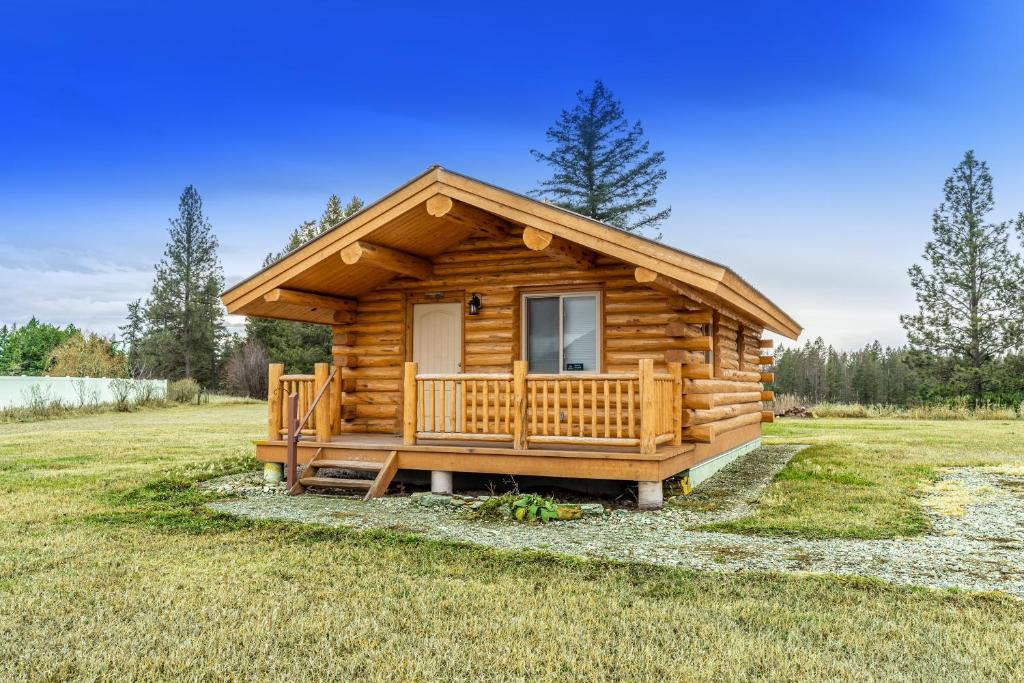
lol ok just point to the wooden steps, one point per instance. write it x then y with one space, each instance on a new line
336 482
374 487
354 465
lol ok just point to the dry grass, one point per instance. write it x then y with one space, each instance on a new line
923 412
112 569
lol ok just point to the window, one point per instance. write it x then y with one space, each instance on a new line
561 332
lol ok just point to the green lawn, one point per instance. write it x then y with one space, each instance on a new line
862 478
111 569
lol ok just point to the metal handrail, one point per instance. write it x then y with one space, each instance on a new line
295 427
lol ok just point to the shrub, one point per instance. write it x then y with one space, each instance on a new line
87 355
146 393
183 391
86 396
245 373
122 389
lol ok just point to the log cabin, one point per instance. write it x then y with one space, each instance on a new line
477 330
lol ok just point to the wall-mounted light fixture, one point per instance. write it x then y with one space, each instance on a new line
474 304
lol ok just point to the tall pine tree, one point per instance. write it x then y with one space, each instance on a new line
184 316
300 345
970 290
603 166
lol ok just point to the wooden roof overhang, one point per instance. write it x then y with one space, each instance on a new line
402 232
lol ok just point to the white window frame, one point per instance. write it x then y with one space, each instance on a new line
598 318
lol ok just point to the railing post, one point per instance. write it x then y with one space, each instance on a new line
676 370
519 370
409 403
274 425
293 438
336 399
322 411
648 407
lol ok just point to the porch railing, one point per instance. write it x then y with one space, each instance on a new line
641 409
322 421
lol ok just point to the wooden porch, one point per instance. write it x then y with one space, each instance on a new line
615 426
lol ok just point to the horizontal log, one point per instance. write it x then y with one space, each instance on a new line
767 395
294 297
584 440
766 343
349 385
718 386
717 414
468 216
296 378
706 401
346 338
765 360
559 248
346 361
697 371
728 324
462 436
701 317
696 344
706 433
767 377
740 375
767 416
679 329
388 259
685 357
348 412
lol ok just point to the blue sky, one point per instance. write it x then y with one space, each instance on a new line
806 143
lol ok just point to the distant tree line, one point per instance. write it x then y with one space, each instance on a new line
900 376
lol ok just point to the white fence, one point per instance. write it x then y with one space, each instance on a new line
17 392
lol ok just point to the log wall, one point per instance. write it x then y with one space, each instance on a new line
638 322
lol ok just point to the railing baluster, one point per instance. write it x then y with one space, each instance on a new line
593 407
568 410
618 409
583 410
632 419
558 408
607 413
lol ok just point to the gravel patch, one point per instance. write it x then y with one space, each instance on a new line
977 542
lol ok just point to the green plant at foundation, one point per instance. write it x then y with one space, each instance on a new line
530 507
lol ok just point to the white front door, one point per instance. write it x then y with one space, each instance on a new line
437 337
437 348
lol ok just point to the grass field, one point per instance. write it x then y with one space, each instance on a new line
112 569
862 478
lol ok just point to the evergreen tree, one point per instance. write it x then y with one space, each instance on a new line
184 317
969 296
603 166
132 333
300 345
28 350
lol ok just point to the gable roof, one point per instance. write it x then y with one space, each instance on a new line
397 221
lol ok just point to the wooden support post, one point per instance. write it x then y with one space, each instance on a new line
274 399
676 370
648 407
519 369
409 403
336 398
323 407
